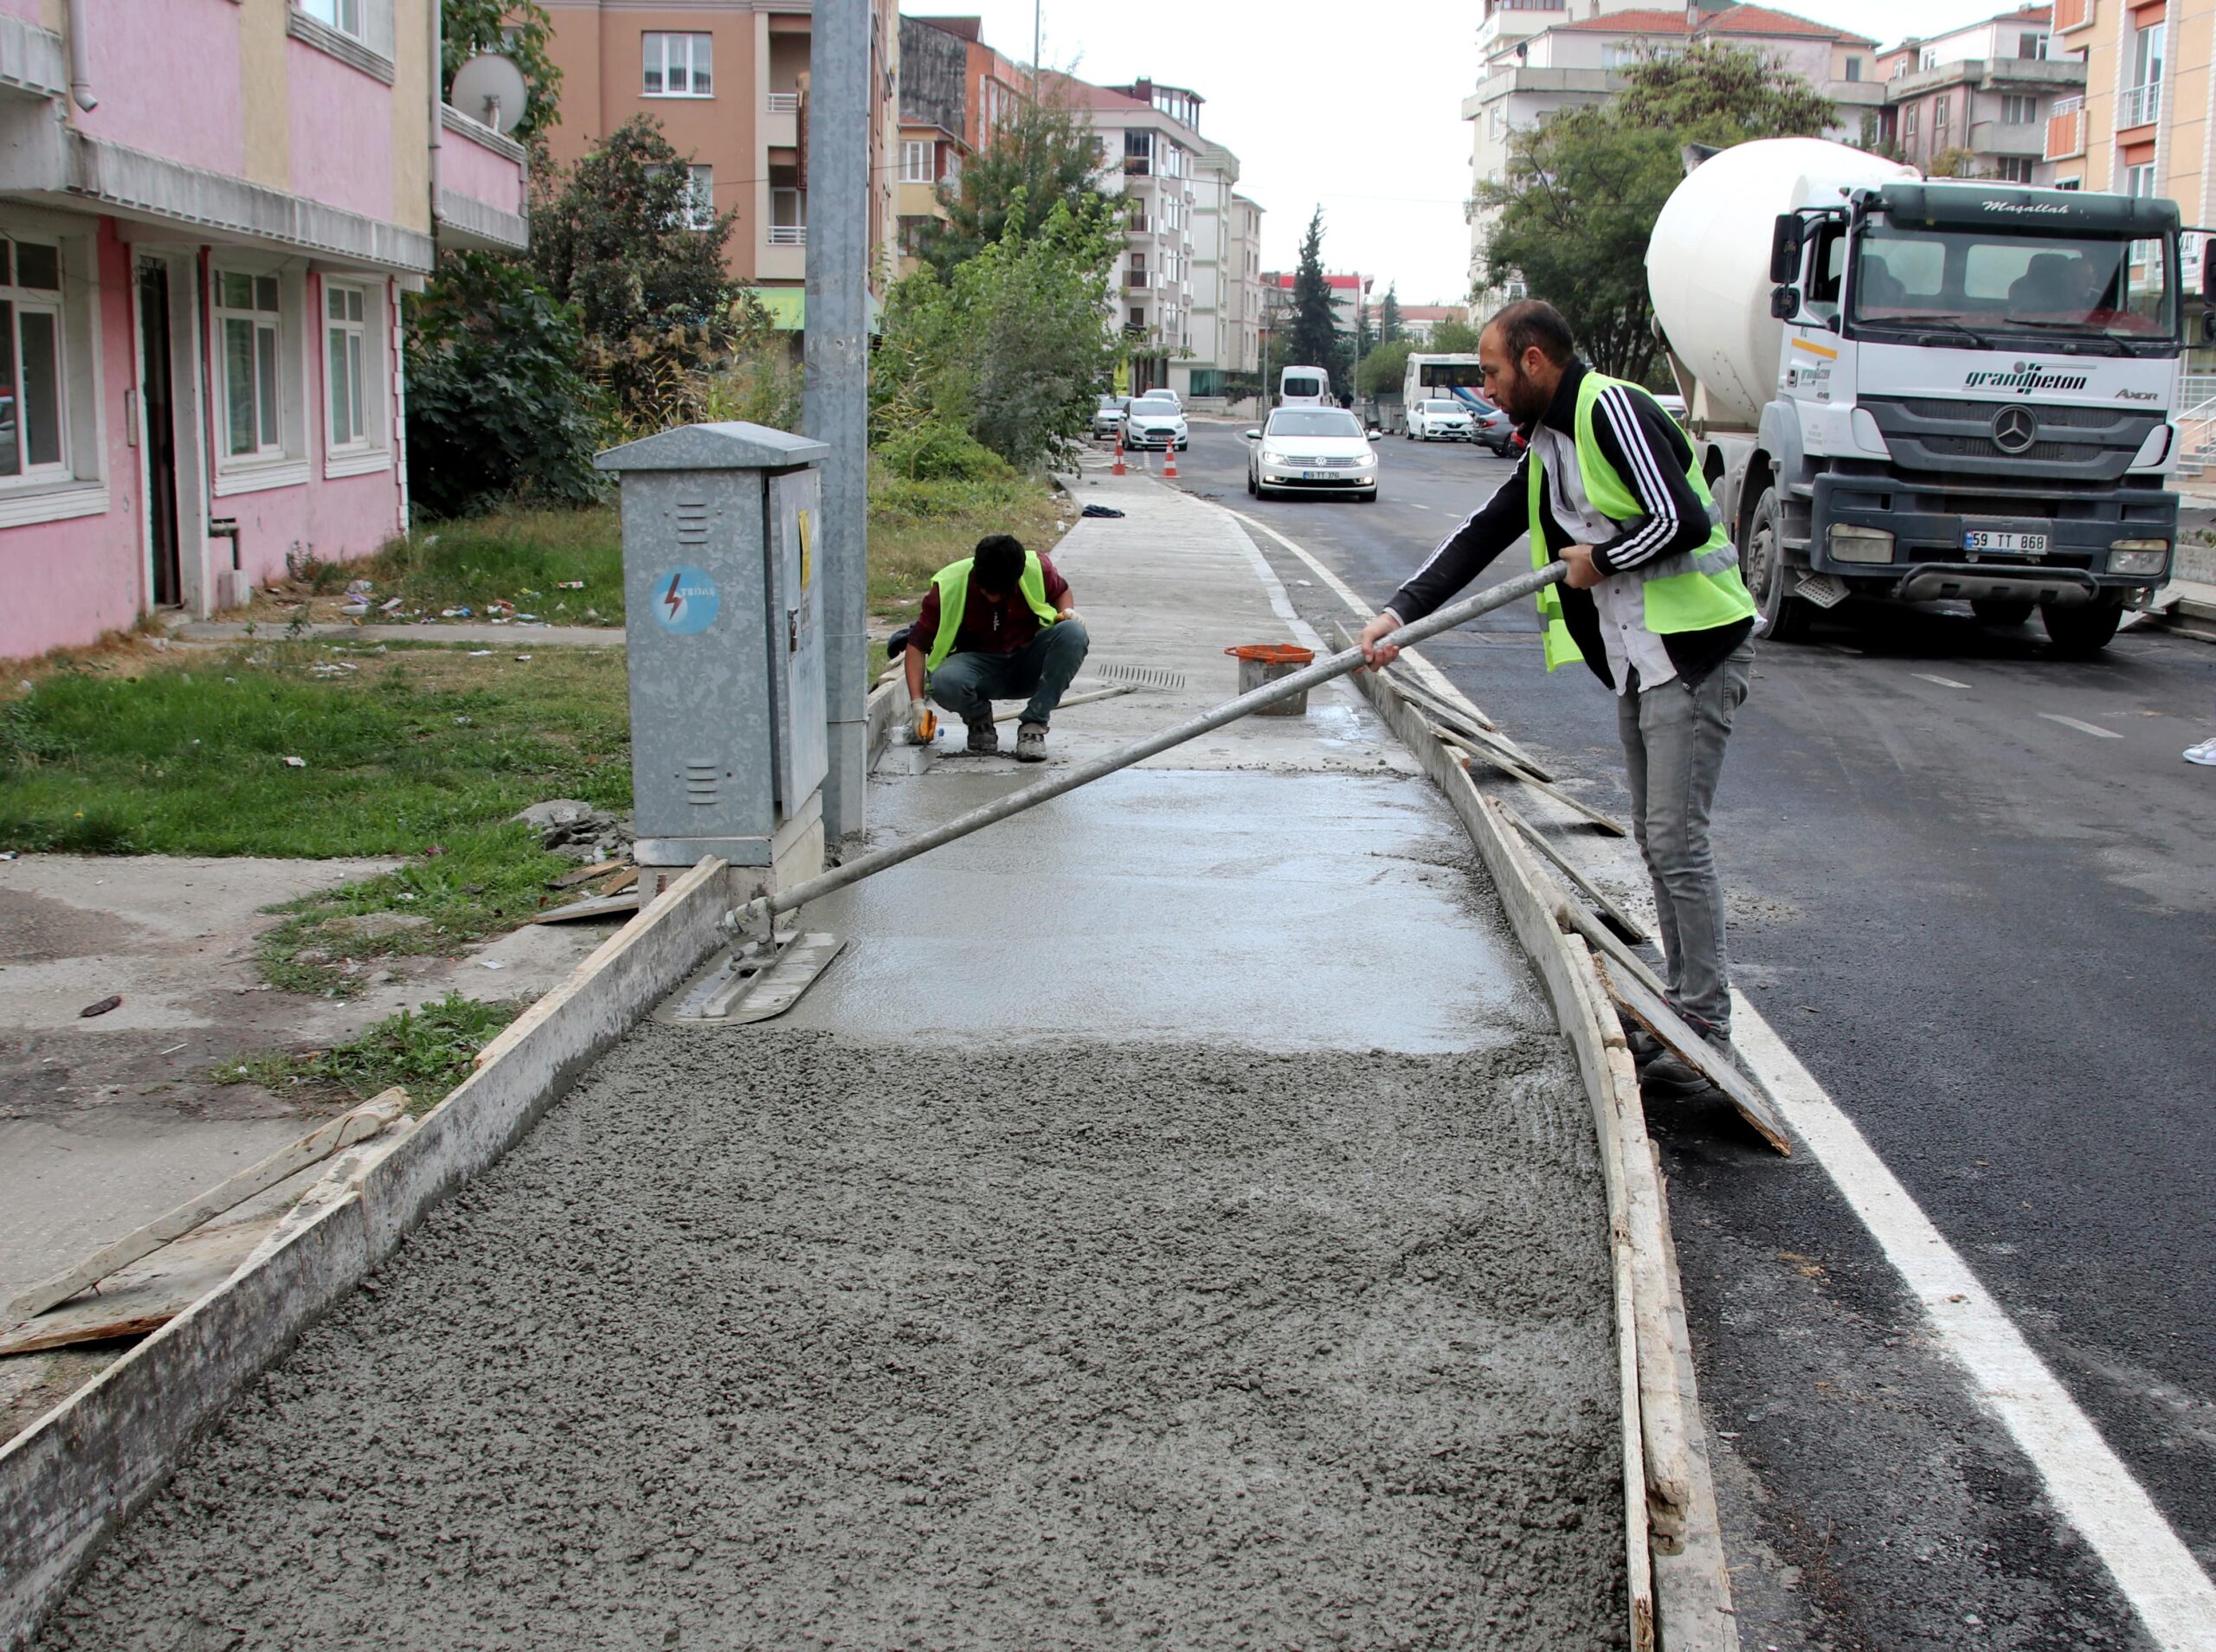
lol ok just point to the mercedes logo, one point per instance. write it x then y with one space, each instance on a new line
2014 430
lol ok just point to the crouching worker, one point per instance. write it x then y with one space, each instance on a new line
997 626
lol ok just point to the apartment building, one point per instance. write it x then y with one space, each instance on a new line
1581 53
1420 321
956 93
1976 102
727 79
205 228
1226 321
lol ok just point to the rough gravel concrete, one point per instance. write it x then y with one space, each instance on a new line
769 1339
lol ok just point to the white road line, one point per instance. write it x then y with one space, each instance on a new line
2089 1483
2082 728
1943 682
1413 505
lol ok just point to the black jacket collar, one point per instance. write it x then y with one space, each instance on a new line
1561 412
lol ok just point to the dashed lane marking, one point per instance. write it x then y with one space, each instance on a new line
2089 1483
2082 728
1943 682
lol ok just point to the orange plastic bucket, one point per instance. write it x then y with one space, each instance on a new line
1264 662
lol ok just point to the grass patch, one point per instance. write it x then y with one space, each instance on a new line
421 755
426 1050
522 558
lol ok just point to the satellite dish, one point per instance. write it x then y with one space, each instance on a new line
489 89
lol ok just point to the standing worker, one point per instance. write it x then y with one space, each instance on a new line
999 624
1652 602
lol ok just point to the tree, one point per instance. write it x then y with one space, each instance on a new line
1585 186
1385 369
1389 326
497 408
1952 163
519 29
1008 349
1453 337
1311 331
1046 156
617 242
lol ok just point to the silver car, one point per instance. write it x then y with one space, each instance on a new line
1108 417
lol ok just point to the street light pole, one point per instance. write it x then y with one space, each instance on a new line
836 402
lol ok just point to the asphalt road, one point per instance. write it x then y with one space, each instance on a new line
1972 886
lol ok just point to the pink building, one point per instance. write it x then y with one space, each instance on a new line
209 210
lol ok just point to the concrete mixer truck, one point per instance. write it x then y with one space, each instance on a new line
1927 389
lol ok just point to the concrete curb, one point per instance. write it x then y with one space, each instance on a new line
1676 1580
84 1467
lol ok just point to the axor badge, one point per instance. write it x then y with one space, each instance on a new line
686 600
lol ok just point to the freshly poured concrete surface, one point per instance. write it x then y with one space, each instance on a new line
1294 911
769 1339
1175 1221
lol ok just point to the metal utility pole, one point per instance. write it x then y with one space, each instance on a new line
835 409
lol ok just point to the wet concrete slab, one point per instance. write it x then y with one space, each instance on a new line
1284 910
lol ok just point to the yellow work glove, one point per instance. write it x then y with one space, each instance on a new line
923 723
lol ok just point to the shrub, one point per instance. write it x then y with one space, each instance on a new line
938 452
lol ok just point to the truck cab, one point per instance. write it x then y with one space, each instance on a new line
1972 401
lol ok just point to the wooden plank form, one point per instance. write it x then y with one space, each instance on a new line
1620 920
355 1125
1744 1093
1607 822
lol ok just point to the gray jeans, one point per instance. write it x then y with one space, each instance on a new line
1673 740
967 684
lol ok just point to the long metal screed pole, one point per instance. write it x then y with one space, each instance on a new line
763 909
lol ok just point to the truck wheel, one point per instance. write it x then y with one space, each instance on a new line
1779 615
2005 612
2082 631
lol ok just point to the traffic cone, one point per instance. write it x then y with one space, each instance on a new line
1170 459
1117 469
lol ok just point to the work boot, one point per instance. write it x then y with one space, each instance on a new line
1643 1045
1031 742
985 738
1669 1078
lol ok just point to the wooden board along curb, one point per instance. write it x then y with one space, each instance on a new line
1619 920
1683 1041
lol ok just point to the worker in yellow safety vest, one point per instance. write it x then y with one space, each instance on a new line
1651 600
999 624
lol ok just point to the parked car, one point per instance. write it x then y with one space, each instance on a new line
1311 450
1491 427
1156 421
1439 419
1108 417
1672 404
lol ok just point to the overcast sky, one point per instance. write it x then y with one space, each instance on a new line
1353 106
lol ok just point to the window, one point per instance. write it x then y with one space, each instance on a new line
1908 124
33 443
2031 46
2142 100
1139 154
1138 319
2019 111
2139 180
677 65
700 198
1853 68
1942 108
344 16
346 386
915 161
248 310
2013 169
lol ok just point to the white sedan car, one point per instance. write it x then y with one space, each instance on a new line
1311 450
1156 421
1441 419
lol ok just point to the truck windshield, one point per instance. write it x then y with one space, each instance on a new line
1987 283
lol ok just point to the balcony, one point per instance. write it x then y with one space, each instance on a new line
482 187
2025 138
788 234
2065 131
2072 14
2139 106
1137 281
783 103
